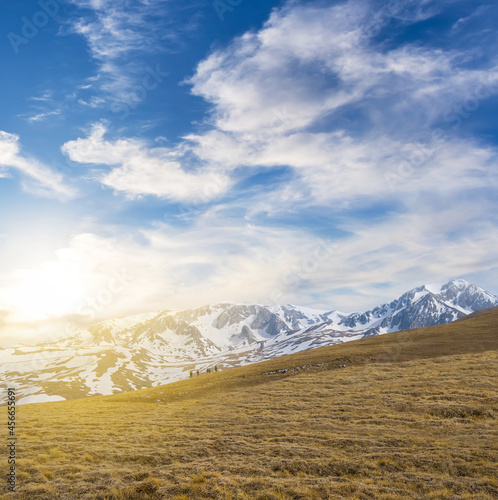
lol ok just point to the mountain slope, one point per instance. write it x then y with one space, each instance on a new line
411 416
478 334
152 349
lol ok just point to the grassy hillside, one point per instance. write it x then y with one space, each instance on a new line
413 414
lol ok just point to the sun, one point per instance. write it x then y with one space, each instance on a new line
43 294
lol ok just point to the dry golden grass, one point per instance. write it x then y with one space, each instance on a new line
413 415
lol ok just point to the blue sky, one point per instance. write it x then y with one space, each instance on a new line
159 154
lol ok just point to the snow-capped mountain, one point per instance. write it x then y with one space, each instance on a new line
426 305
155 348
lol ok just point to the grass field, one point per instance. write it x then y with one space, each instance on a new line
412 415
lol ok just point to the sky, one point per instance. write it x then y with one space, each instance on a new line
165 154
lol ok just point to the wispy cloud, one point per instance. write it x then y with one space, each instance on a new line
479 11
42 116
37 177
46 96
93 102
43 106
119 34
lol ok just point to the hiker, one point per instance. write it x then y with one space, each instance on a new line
191 373
198 373
215 368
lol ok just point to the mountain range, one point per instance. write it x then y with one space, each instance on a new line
155 348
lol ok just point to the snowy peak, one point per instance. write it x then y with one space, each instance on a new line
467 296
426 305
459 294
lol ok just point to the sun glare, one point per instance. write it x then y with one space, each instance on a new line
39 295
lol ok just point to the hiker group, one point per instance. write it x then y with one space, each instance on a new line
208 370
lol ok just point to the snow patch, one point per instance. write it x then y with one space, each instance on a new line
39 398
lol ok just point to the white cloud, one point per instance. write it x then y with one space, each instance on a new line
98 277
291 64
43 107
416 247
465 20
93 102
37 177
45 97
281 97
308 61
119 33
141 170
41 116
339 169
